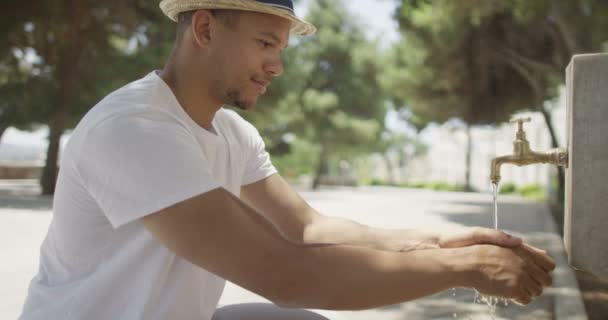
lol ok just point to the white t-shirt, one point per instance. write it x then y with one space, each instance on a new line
135 153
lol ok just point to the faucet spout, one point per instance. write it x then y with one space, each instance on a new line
556 156
523 155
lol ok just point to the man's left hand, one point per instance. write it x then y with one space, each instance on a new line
475 236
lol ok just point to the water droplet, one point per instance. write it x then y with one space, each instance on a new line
490 301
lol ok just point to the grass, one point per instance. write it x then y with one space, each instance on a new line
531 191
435 185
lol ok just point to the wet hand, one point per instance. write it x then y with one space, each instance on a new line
519 273
475 236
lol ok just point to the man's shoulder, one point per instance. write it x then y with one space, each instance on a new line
141 98
142 92
136 106
234 121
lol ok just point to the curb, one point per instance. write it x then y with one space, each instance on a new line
568 301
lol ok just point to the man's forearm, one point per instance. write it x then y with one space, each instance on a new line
329 230
352 278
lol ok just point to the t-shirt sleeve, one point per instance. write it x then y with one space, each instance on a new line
258 164
134 166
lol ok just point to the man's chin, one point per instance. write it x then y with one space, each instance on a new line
244 105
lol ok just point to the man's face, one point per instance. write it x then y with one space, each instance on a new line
247 56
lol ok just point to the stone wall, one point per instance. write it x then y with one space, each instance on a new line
586 219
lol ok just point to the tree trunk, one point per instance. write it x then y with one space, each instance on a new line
390 169
322 169
467 170
67 74
519 63
49 173
548 121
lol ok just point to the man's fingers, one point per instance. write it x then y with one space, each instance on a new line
476 236
508 240
533 288
541 257
496 237
525 296
542 277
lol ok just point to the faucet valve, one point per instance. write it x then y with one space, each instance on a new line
521 134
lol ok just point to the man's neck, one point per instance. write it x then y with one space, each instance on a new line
188 88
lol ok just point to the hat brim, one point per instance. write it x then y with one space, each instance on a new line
172 9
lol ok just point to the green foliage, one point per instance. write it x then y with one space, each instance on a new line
443 186
481 61
533 192
434 185
80 48
68 55
378 182
508 188
301 159
330 93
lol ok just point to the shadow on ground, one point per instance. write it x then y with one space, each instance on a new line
26 202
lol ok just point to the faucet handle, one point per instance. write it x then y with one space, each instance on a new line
520 122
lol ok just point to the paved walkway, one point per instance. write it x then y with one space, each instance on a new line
24 219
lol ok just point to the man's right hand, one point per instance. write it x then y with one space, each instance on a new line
519 273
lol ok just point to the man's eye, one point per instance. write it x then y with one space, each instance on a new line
264 43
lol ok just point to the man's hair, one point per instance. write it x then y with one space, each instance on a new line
229 18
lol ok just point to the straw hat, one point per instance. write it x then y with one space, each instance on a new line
281 8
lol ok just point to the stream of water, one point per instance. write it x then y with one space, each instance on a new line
490 301
495 187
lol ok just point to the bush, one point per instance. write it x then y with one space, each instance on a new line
437 186
533 191
507 188
378 182
418 185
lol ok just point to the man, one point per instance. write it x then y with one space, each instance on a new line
163 194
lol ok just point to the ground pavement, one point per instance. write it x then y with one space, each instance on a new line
25 217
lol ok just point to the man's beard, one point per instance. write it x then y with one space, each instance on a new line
233 98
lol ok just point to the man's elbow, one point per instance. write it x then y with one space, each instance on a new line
296 233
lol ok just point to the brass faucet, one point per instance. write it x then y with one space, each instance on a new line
522 155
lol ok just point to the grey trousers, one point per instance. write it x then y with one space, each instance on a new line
263 311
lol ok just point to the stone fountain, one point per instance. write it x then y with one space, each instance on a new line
586 199
585 160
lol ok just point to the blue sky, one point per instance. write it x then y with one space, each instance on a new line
375 14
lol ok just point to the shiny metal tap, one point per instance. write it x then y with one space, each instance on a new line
523 155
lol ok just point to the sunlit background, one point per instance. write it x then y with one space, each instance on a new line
412 94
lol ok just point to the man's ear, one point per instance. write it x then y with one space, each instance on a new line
201 27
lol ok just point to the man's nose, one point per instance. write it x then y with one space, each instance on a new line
274 67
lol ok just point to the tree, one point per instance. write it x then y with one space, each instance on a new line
403 146
481 61
15 103
82 49
330 93
14 107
